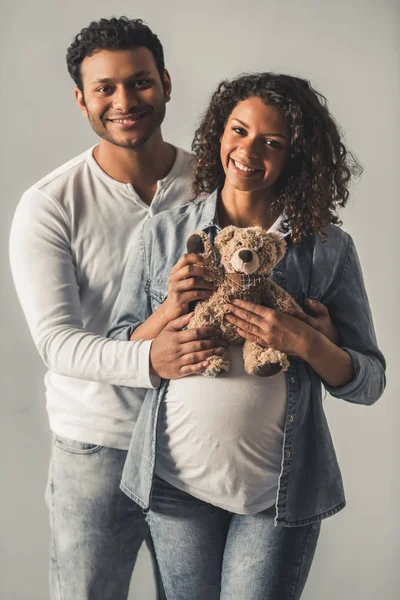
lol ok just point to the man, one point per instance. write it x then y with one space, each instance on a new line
70 239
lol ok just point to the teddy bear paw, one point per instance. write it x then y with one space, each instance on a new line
264 362
216 365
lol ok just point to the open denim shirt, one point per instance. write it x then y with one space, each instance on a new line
310 483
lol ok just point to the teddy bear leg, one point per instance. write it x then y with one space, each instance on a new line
263 362
217 364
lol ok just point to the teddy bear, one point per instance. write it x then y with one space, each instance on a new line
245 259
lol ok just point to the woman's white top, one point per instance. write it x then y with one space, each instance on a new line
220 439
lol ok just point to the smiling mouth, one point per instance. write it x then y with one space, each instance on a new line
244 169
129 120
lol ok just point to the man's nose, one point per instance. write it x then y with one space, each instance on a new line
124 99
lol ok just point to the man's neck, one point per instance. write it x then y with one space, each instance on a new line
142 167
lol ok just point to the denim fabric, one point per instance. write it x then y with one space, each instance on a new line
207 553
96 530
310 483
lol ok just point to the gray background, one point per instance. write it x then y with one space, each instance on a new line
350 51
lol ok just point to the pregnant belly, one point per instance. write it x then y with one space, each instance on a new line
234 409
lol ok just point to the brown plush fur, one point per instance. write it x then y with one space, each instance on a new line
247 257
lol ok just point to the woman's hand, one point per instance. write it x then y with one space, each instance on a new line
320 320
293 336
270 328
190 280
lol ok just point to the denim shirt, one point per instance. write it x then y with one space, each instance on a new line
310 483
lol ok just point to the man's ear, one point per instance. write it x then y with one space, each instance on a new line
81 102
167 85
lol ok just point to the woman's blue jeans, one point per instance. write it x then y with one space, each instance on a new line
207 553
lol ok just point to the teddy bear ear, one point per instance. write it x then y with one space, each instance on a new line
280 245
194 244
198 243
224 236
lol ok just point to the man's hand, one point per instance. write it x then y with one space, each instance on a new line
175 353
320 321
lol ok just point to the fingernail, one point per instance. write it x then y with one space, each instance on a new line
219 351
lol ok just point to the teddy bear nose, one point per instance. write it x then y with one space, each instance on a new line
246 256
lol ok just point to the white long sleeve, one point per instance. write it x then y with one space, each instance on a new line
46 282
69 243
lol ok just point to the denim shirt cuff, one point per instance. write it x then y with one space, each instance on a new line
350 389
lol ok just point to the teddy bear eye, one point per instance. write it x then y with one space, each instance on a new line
239 244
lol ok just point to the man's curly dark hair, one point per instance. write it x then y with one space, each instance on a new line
315 180
112 34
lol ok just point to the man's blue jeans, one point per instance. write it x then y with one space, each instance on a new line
207 553
96 530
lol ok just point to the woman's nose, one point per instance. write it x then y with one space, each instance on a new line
248 148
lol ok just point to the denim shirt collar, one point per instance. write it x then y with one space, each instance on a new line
209 217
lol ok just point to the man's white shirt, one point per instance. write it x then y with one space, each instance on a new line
70 239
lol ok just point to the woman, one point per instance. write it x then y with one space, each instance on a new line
237 472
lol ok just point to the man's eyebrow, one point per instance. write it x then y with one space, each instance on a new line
133 76
268 133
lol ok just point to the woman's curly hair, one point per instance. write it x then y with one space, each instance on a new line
112 34
315 180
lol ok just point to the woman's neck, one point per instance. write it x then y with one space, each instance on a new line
246 209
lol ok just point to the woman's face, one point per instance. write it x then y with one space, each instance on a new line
255 146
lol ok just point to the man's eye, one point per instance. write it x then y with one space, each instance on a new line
142 83
104 89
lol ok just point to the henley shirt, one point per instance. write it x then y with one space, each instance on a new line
70 239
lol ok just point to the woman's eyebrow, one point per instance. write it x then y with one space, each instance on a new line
268 133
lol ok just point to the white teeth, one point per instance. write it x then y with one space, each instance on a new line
130 120
239 165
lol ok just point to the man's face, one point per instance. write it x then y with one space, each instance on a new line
123 95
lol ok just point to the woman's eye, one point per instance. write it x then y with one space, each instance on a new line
272 143
239 130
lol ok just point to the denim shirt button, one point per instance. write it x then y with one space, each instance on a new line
292 380
288 454
291 418
279 273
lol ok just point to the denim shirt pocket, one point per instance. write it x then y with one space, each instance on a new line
157 290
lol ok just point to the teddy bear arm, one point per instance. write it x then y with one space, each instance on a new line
276 297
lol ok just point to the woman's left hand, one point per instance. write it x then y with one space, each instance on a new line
270 328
